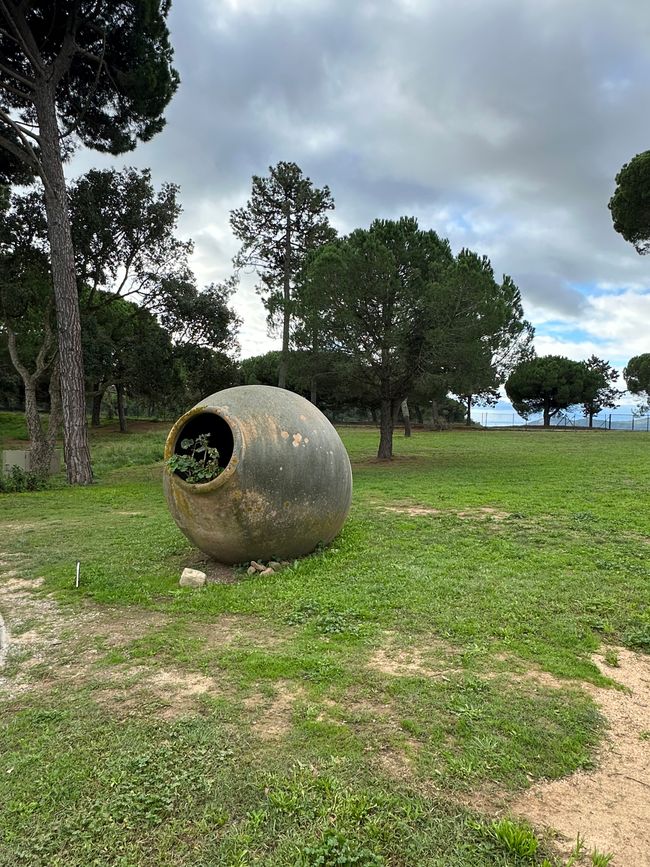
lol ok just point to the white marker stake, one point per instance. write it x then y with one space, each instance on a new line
76 583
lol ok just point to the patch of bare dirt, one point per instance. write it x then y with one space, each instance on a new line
169 693
429 659
398 764
414 510
119 626
216 573
274 715
609 807
28 629
37 632
239 630
6 559
485 512
44 645
534 674
19 526
391 751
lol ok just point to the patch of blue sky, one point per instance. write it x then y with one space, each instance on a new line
609 289
568 329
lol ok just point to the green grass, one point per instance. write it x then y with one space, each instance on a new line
12 426
371 764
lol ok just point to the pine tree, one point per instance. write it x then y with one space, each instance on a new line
285 219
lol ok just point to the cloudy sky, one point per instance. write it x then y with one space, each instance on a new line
499 124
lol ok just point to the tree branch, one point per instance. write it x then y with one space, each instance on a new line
24 34
20 154
9 88
93 89
25 375
63 59
41 363
16 76
28 155
19 127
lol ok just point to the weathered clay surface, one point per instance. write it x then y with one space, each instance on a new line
287 485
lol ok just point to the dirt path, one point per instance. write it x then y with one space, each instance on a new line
609 807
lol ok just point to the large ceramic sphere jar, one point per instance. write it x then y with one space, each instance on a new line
286 483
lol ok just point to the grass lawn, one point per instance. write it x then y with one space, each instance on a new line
365 706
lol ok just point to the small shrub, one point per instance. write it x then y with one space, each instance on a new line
200 463
18 481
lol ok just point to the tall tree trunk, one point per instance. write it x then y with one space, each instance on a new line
313 382
468 418
73 398
385 451
38 452
286 291
591 419
56 409
373 414
418 413
39 459
119 390
435 414
547 415
389 412
407 418
98 396
42 462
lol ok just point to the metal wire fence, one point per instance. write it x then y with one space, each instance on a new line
568 421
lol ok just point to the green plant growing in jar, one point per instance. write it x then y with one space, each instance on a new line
199 462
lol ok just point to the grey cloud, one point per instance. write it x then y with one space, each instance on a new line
502 124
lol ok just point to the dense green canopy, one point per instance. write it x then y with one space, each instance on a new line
637 375
550 384
630 204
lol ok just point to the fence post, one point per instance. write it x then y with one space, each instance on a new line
609 427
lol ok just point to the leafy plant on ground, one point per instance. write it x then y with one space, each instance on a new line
336 849
199 463
638 637
19 481
517 838
599 859
611 658
327 620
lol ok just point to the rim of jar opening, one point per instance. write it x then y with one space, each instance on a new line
228 470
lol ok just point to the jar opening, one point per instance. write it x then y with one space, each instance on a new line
218 432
